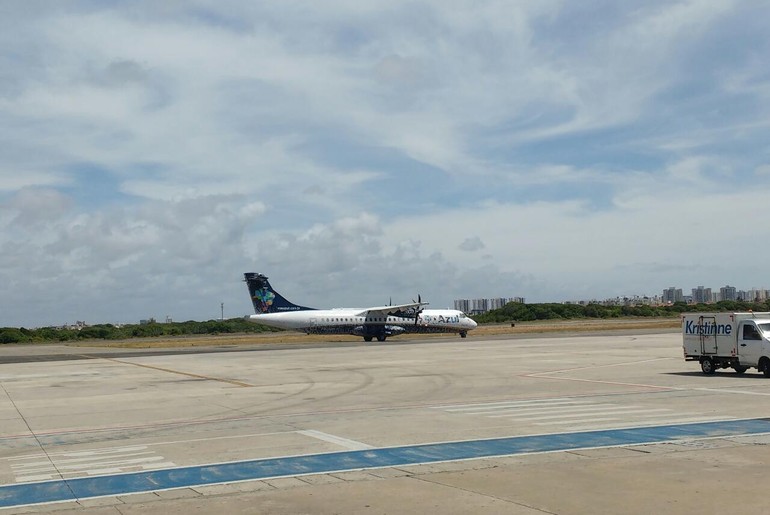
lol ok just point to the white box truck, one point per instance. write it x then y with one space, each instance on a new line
727 340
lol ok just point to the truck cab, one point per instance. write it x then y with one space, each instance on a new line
727 340
754 343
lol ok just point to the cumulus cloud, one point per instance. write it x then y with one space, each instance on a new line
153 154
472 244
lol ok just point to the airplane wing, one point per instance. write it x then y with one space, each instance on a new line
400 310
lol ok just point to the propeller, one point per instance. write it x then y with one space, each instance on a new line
419 309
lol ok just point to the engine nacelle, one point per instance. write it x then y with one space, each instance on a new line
374 330
394 330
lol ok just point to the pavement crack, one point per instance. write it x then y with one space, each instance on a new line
490 496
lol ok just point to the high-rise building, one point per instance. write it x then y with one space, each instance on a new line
728 293
498 302
701 295
463 305
479 305
672 294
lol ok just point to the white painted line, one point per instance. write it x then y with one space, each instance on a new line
551 409
740 392
571 422
87 466
343 442
36 464
619 411
641 424
26 479
96 452
558 399
514 405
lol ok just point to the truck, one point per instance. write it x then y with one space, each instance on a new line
727 340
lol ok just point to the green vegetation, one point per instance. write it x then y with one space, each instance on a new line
514 312
112 332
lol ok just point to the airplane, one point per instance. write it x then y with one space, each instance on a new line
379 322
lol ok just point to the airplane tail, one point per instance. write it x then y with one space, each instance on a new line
265 298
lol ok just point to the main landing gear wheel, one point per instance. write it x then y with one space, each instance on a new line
707 366
367 338
381 338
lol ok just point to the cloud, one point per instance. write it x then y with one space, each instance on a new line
356 151
471 244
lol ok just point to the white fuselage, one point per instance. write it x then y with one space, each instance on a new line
345 320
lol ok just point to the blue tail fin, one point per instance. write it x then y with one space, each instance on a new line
265 298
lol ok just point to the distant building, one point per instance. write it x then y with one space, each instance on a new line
701 295
463 305
497 303
728 293
478 306
672 295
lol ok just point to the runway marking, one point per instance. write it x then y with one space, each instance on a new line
503 404
592 427
724 390
38 467
548 374
343 442
614 411
562 411
609 365
179 372
220 473
545 375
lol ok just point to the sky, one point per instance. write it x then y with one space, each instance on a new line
357 152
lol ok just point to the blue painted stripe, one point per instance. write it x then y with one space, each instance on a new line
120 484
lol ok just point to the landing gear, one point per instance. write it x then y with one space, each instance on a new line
367 338
463 334
380 337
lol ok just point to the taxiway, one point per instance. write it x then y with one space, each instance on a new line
558 424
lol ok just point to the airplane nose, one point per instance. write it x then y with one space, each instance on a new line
473 322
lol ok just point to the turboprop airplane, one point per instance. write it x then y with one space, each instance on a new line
378 322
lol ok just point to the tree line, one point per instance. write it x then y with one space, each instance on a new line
122 332
513 311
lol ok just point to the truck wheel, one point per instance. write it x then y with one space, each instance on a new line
764 365
739 369
707 366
